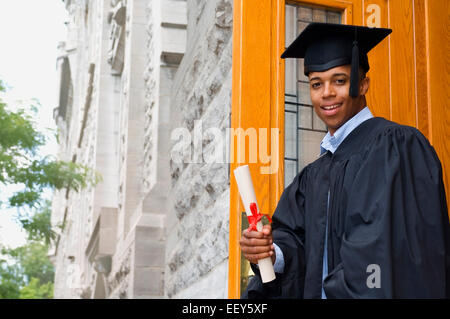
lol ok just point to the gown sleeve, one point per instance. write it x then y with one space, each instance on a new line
396 238
289 234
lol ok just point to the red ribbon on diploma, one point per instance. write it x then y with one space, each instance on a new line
255 217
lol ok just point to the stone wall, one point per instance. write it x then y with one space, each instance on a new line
74 212
154 227
106 49
198 223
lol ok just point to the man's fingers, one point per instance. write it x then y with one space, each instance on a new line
255 257
253 250
257 245
252 234
266 232
256 242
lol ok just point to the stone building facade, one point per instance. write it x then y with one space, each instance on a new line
133 73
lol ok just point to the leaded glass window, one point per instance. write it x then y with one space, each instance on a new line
303 128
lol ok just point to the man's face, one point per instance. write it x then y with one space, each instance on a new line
330 96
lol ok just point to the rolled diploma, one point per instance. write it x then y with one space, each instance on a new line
245 186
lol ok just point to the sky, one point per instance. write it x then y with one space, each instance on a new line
29 34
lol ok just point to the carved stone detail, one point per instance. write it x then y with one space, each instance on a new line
117 19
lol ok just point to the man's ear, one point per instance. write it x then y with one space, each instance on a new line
364 85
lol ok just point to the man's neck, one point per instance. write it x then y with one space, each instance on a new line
362 105
332 142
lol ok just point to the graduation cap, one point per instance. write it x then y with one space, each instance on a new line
326 45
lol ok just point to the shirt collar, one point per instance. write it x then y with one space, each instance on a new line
331 143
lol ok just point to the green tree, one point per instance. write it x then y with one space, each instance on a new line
36 290
32 261
38 226
23 166
26 272
10 281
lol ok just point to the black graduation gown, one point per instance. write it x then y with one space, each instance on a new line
387 208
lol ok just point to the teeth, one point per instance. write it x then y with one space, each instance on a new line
331 107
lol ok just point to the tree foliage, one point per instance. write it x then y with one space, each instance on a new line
22 165
38 225
36 290
26 272
10 281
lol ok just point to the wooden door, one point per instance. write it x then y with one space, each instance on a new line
409 75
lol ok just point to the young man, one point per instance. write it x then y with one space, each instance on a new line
368 218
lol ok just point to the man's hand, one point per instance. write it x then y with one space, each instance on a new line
257 245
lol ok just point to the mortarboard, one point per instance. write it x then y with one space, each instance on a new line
325 45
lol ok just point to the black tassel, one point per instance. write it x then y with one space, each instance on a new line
354 75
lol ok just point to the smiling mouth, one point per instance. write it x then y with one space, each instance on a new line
331 107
